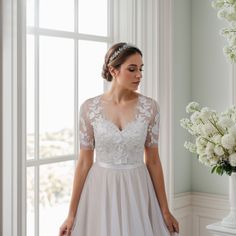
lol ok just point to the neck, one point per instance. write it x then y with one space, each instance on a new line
119 94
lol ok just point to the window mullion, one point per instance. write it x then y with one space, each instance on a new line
36 169
76 82
32 163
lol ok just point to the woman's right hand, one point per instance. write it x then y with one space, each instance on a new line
66 227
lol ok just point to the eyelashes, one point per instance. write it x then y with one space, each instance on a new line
133 70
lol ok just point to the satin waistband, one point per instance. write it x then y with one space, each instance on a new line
118 166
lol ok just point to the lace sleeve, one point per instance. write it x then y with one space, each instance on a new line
86 135
153 126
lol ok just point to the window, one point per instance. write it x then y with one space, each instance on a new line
66 44
52 56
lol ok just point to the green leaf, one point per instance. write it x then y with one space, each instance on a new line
219 170
213 169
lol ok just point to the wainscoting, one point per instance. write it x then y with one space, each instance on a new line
196 210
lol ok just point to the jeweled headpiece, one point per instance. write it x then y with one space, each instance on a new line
117 52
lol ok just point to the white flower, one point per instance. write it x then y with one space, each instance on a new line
226 122
228 141
222 14
205 114
232 159
197 129
233 115
227 11
185 123
203 159
192 107
232 130
208 129
230 151
201 150
195 117
200 141
230 52
214 133
216 138
232 108
218 150
214 160
218 4
190 146
210 148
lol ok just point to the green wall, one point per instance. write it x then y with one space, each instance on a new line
200 73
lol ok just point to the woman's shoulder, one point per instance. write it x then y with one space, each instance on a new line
89 101
150 101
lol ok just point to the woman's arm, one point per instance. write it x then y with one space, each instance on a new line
83 165
154 167
82 168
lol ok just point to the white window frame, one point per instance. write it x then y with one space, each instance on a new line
36 31
148 25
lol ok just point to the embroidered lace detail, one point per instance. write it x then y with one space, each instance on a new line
112 144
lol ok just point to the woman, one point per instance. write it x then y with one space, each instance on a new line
122 193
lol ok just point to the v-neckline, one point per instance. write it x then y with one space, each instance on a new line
128 123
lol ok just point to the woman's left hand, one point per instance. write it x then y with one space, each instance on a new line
171 223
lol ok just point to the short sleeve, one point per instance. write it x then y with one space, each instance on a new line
153 126
86 134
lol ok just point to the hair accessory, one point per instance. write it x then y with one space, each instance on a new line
117 52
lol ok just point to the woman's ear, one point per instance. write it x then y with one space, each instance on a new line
113 71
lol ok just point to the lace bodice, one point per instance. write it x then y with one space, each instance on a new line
113 145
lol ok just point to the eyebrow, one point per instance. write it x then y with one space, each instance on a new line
135 65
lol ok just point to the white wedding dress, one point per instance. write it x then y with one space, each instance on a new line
118 197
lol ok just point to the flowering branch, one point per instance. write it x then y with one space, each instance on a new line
227 11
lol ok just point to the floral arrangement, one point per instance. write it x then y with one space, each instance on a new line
227 11
215 137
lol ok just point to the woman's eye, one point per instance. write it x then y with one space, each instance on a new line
131 69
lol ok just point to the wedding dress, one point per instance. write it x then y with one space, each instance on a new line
118 197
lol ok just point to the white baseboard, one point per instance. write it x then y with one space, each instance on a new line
196 210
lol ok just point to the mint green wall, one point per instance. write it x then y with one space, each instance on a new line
200 73
210 81
181 91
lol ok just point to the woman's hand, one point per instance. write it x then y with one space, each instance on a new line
65 229
171 223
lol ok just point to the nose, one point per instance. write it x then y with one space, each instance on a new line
139 74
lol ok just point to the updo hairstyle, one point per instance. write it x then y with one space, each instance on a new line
116 56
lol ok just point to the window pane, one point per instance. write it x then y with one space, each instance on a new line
30 12
93 17
91 58
54 14
55 191
30 201
56 99
30 97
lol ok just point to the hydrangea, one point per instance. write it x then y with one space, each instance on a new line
228 141
215 137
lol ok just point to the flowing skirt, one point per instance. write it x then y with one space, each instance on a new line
118 202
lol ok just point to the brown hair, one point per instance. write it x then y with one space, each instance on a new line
117 61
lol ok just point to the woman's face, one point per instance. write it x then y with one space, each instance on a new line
130 72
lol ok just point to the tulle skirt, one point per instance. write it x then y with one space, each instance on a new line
118 202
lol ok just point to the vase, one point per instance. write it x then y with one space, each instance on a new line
230 220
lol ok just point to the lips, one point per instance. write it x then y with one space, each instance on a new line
136 82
